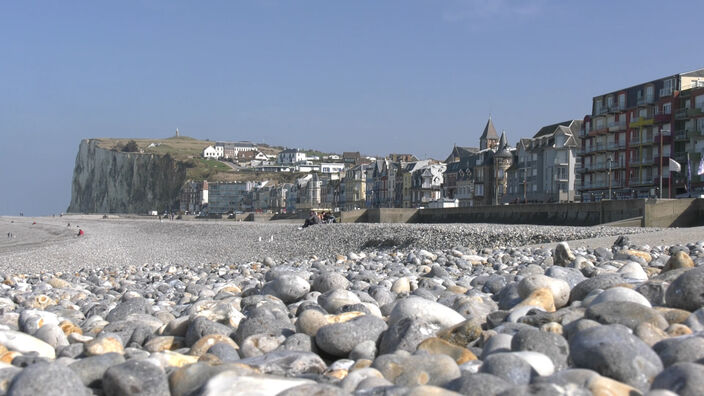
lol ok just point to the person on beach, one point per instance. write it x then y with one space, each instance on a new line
312 219
80 232
328 218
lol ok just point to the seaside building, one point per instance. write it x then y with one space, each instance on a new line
291 156
233 149
631 134
478 176
544 166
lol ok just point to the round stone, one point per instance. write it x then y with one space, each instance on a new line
509 367
680 350
613 351
559 288
137 305
327 281
420 308
685 292
332 300
287 287
562 254
685 379
135 377
91 369
552 345
47 378
619 294
339 339
478 384
678 260
598 282
626 313
24 343
52 335
438 346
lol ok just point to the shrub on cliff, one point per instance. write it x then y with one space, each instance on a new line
131 147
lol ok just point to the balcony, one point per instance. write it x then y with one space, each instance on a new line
646 161
682 114
599 166
666 137
635 141
600 110
600 147
681 135
617 126
612 146
666 92
615 108
695 132
641 121
663 118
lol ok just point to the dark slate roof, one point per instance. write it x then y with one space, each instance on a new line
546 130
290 151
503 142
489 131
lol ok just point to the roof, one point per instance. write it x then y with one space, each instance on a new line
286 151
489 131
546 130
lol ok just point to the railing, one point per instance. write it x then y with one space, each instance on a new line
634 161
694 131
665 92
681 134
615 108
688 113
635 141
660 118
616 126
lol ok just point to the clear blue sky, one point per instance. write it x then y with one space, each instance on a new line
376 76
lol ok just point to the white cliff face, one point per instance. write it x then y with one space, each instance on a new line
106 181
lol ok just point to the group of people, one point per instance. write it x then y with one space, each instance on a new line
10 235
315 218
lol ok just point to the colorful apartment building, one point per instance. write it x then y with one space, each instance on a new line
630 136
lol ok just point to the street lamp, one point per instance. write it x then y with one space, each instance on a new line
662 131
609 161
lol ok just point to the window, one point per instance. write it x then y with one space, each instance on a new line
699 102
622 101
667 108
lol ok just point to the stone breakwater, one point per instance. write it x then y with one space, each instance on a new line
385 319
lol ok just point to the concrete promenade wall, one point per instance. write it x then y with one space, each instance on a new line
642 212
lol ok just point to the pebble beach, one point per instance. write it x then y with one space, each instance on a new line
176 307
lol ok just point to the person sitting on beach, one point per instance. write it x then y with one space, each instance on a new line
328 218
80 232
312 219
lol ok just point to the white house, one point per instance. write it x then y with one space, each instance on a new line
212 152
291 156
331 167
232 150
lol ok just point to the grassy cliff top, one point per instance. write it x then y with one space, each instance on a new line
180 148
189 150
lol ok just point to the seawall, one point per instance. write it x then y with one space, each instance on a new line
635 212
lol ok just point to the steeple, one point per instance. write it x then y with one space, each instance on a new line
503 142
489 138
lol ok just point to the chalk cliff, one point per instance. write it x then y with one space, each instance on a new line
106 181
